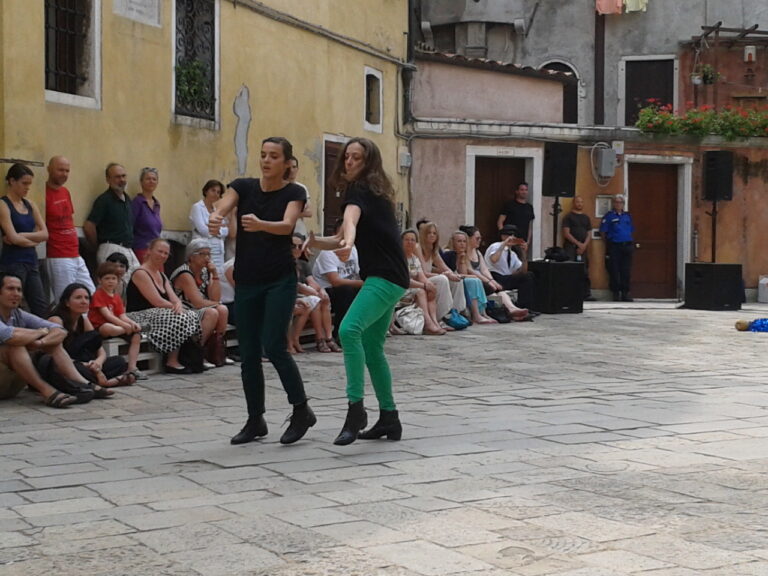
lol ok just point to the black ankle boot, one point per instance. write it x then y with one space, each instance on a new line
254 428
302 420
357 419
388 425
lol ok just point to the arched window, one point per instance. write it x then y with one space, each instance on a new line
570 93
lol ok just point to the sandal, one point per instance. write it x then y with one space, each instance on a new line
395 330
322 346
60 400
333 346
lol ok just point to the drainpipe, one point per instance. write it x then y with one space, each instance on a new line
599 96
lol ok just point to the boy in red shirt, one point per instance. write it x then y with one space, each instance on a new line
108 315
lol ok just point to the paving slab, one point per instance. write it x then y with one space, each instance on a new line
592 444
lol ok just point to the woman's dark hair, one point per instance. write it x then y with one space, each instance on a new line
372 174
62 310
17 172
409 231
283 142
468 229
420 222
210 184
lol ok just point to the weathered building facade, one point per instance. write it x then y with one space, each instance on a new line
621 60
192 87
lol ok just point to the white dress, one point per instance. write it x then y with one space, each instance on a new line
199 216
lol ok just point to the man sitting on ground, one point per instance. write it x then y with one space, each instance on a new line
509 269
22 334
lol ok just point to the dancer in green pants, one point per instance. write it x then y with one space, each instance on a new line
370 225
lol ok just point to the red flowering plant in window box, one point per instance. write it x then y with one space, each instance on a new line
730 122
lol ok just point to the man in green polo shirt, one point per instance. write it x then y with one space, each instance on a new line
110 223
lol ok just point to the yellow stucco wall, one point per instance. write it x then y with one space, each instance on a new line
302 85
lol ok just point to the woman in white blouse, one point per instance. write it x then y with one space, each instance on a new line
199 214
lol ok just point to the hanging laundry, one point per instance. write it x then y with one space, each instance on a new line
609 6
636 5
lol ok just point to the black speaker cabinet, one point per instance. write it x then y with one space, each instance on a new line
718 175
559 169
713 286
559 286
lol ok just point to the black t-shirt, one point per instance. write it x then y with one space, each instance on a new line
261 256
520 215
579 225
378 237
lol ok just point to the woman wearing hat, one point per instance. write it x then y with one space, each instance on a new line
197 284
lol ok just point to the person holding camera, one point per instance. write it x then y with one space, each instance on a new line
510 267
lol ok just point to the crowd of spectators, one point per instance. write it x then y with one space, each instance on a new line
56 347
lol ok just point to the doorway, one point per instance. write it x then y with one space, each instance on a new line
653 204
496 179
331 197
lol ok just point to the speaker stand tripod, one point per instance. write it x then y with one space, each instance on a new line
713 215
556 209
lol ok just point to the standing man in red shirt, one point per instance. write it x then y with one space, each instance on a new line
65 265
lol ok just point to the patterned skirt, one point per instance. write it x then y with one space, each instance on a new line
165 329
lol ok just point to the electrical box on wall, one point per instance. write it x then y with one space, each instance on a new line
606 162
404 159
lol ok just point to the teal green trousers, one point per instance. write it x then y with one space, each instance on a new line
263 314
363 333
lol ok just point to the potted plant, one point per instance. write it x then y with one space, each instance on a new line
708 74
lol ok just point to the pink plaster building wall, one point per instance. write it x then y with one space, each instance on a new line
443 90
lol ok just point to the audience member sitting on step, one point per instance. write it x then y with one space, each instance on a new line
107 315
23 229
438 272
23 334
422 292
490 285
316 299
83 343
456 259
338 272
153 304
196 283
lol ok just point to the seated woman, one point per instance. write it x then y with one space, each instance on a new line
438 272
421 291
83 343
457 260
338 273
480 269
197 284
313 303
153 304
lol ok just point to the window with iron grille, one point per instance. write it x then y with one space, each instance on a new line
196 58
68 46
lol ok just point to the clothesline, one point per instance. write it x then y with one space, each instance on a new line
620 6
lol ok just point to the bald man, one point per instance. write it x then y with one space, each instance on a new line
65 265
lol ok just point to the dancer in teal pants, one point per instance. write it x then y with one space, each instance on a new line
265 285
371 226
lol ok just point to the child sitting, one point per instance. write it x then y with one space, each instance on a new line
107 314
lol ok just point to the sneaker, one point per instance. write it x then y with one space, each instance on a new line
207 365
139 375
228 361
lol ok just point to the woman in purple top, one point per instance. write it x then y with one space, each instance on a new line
147 224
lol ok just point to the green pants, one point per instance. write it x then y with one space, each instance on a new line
263 313
363 332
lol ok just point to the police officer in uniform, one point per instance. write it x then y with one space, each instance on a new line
617 228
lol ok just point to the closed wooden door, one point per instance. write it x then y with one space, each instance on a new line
653 206
331 197
496 180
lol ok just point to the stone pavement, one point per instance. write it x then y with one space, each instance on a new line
630 439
